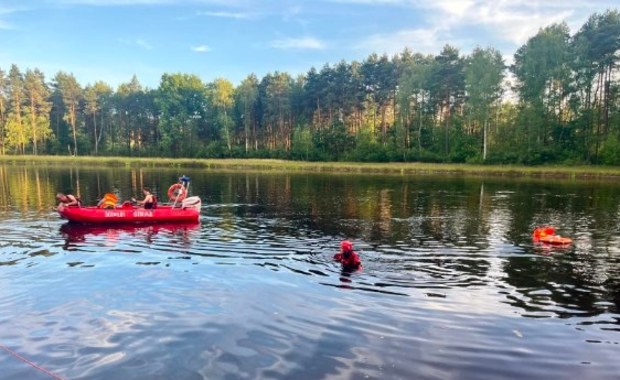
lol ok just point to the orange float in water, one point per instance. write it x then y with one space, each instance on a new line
546 235
556 240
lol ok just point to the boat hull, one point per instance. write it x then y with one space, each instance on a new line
161 214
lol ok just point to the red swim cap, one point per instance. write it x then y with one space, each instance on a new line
346 246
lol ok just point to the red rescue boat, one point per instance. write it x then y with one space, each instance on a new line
187 211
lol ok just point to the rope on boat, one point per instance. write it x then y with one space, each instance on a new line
32 364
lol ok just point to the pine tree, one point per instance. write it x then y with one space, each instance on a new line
3 108
16 134
71 93
38 107
484 73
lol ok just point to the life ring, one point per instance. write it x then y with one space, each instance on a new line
177 192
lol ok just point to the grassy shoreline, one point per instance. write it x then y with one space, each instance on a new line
328 167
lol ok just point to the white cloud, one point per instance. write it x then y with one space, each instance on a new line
419 40
291 12
103 3
233 15
112 2
143 44
298 43
136 42
512 21
5 12
370 2
454 7
201 49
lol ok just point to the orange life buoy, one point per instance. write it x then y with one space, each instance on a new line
177 192
541 232
556 240
546 235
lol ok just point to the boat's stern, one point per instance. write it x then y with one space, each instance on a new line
192 203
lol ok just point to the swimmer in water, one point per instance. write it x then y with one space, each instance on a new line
347 257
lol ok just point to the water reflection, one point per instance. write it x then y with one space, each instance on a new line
80 233
256 280
450 232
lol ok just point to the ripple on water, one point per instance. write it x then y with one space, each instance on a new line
252 292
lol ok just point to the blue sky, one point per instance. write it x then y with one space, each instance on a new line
111 40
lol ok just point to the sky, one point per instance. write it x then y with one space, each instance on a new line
111 40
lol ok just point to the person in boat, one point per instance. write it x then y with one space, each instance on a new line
68 200
149 201
347 257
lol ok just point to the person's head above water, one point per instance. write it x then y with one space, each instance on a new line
347 257
146 190
346 246
61 197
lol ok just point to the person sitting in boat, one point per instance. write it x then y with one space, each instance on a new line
68 200
347 257
149 201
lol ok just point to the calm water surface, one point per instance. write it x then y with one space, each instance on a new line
452 286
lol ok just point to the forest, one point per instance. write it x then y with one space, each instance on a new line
558 102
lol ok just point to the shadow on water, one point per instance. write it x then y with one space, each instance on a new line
451 278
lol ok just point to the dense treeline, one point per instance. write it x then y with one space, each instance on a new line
559 102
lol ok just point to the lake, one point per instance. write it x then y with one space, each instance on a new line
452 286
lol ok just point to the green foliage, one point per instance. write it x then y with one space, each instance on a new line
182 102
610 151
466 147
332 143
97 110
220 95
367 149
246 111
302 144
484 73
563 107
